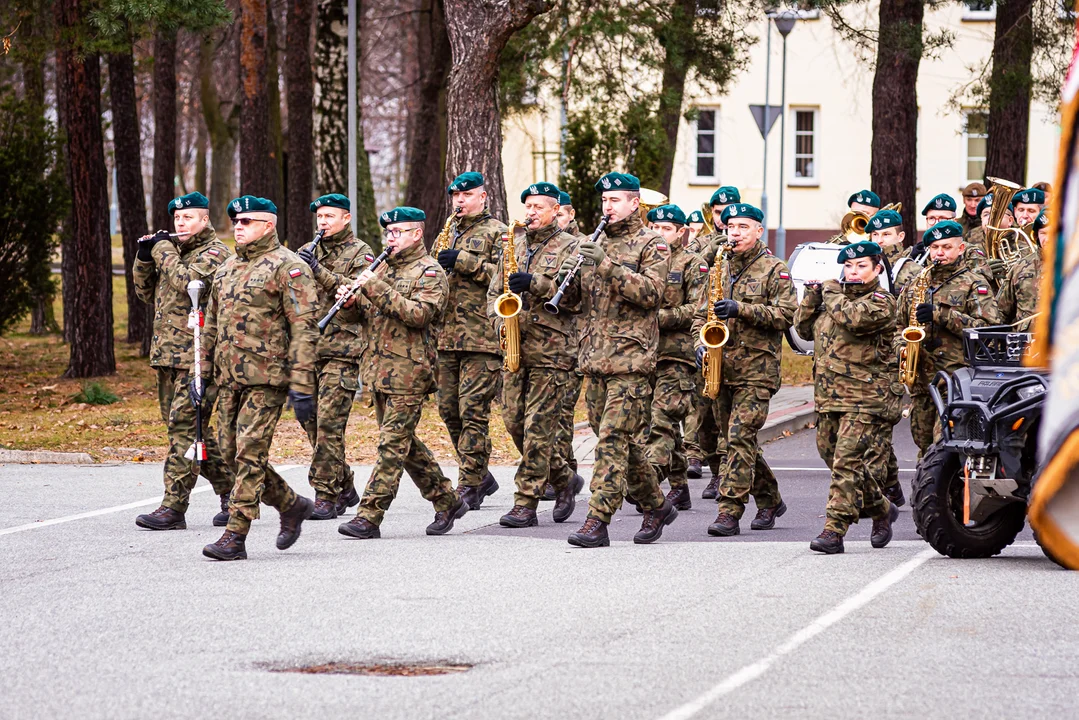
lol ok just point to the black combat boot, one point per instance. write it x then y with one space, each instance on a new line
828 542
711 490
324 510
882 527
361 528
895 495
222 518
724 526
229 547
347 498
162 519
292 519
519 517
592 534
549 493
766 517
694 470
444 520
679 497
566 501
654 520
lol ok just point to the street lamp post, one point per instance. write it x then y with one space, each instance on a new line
767 123
352 99
784 23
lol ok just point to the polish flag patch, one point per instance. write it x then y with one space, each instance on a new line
784 275
295 273
703 268
369 258
213 252
661 246
768 250
430 273
878 296
983 291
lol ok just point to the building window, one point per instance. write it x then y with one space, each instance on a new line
705 150
975 138
979 10
806 124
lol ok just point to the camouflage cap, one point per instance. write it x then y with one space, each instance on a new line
541 188
564 199
465 181
401 215
1030 196
725 196
251 204
885 219
944 230
865 197
667 213
618 181
1042 221
191 200
858 250
695 217
743 211
974 190
942 201
336 200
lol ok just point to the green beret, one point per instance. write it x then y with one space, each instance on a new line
250 203
618 181
865 197
667 213
940 202
1030 196
541 188
985 202
1042 221
858 250
564 199
943 230
191 200
743 211
725 196
336 200
465 181
695 217
401 215
884 219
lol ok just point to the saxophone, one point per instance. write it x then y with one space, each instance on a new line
914 333
442 242
508 304
714 334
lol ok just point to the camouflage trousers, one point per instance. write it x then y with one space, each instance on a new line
924 422
743 411
673 392
467 383
705 442
399 450
532 409
619 415
338 382
565 420
855 448
181 474
248 415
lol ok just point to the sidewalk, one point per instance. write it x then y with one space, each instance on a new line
791 410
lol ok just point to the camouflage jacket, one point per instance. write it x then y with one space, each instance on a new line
400 307
761 284
707 246
261 323
1018 295
547 340
970 223
687 280
618 327
962 299
163 283
973 257
465 326
854 368
574 229
341 259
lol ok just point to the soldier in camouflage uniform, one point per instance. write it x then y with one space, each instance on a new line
758 305
674 382
618 292
695 223
534 393
261 333
400 303
162 271
706 246
970 217
468 360
1018 295
856 393
335 260
958 298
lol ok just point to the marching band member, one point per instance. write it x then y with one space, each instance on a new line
1018 294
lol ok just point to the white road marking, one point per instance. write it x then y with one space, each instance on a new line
839 612
822 469
105 511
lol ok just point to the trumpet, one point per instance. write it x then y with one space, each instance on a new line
854 224
552 305
508 304
351 291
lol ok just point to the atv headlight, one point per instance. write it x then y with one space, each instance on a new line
1028 391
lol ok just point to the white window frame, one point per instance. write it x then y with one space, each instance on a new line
971 15
714 177
964 156
793 180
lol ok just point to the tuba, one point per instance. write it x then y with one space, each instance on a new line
508 304
714 334
1009 245
914 333
709 221
650 200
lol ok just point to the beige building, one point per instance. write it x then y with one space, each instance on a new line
828 127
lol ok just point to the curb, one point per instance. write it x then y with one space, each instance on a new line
792 421
25 457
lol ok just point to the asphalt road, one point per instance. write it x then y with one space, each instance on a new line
102 620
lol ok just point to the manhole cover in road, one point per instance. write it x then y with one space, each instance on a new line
382 669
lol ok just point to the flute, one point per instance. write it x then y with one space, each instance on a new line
351 291
552 305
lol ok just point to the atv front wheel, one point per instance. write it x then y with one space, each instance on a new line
937 507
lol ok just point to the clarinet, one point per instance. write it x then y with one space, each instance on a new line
351 291
317 240
552 305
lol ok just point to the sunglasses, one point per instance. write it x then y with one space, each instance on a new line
246 221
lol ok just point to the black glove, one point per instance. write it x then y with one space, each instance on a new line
520 282
700 356
194 393
933 343
146 245
308 256
726 309
924 313
448 258
303 405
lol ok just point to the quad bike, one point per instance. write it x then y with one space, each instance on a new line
971 488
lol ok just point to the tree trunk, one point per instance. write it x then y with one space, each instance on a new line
87 247
164 178
299 82
895 107
201 142
256 169
1010 86
222 137
427 120
677 59
129 190
277 140
478 31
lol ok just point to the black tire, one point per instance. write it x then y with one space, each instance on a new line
1051 556
937 507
